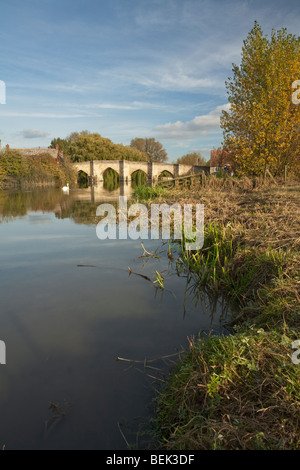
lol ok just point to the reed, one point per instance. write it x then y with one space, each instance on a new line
149 192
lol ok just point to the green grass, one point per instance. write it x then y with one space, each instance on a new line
255 281
235 392
149 192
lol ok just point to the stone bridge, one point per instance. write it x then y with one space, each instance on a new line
95 169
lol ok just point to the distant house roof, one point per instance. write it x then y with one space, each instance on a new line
54 153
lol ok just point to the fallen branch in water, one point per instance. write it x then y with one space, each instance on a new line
147 253
147 361
122 434
59 414
137 274
86 266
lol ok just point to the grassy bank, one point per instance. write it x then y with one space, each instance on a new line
240 391
19 171
234 392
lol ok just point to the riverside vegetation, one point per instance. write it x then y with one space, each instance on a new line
19 171
241 390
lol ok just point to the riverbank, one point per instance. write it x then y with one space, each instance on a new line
241 391
17 171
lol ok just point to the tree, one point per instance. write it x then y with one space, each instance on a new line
74 135
66 144
85 146
194 158
151 148
62 144
220 157
261 128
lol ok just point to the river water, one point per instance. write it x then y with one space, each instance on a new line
64 325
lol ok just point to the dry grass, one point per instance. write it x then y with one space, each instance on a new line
241 391
262 226
266 215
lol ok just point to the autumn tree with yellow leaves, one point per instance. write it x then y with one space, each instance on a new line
262 127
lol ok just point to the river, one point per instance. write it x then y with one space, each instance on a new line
64 325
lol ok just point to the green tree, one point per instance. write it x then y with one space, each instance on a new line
63 145
86 146
153 149
15 168
194 158
261 129
74 135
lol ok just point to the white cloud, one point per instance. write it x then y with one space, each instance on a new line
34 134
135 105
199 125
42 115
177 81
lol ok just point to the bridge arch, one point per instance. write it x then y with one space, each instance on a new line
138 178
100 167
111 178
158 168
82 179
109 169
165 174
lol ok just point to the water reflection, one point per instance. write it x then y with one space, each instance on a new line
101 192
79 203
111 179
64 325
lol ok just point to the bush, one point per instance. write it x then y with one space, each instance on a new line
42 169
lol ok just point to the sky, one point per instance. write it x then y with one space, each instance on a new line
125 68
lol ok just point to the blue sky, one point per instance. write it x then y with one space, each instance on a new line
125 68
